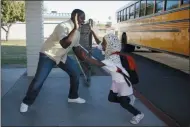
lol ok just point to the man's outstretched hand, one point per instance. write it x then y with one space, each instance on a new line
66 41
76 24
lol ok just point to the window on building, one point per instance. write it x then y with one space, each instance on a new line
149 7
132 12
172 4
137 8
185 1
143 7
159 5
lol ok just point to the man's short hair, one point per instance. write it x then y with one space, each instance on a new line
78 11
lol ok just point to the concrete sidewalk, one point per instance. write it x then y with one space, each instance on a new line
9 78
51 107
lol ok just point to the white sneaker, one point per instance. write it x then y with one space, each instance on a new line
133 98
23 107
77 100
137 119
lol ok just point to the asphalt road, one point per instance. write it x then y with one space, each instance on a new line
167 88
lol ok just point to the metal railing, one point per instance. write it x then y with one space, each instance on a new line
86 44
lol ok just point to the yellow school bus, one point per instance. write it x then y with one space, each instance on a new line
159 25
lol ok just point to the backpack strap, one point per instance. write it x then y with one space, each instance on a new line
121 58
117 53
125 76
130 59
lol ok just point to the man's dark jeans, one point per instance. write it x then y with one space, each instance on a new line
45 65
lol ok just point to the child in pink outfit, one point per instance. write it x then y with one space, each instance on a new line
121 91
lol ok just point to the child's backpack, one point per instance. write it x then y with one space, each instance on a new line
129 64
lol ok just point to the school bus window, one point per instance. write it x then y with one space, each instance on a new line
149 7
185 1
171 4
120 16
159 5
123 15
132 12
126 14
117 16
137 8
143 6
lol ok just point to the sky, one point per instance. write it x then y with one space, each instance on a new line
97 10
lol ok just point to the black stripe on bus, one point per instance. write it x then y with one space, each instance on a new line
160 50
164 30
166 22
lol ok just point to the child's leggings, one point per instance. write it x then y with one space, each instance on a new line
124 102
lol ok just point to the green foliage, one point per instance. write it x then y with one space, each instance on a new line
12 11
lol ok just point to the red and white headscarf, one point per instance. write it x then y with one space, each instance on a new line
113 62
113 45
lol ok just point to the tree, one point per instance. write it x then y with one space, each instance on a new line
11 12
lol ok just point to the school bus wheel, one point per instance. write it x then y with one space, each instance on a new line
131 48
124 38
